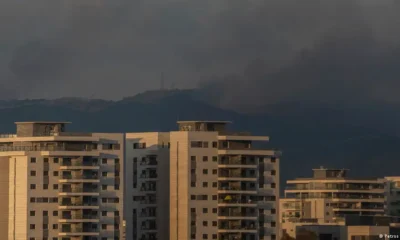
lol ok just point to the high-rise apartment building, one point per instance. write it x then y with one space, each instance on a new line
392 196
330 195
201 182
60 185
147 186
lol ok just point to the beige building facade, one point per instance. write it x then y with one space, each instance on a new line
62 185
330 195
215 183
392 196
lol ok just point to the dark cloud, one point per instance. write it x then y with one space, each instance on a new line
274 49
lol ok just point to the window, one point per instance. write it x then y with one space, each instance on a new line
205 184
116 213
193 158
116 161
205 223
214 197
104 161
273 160
55 226
214 210
273 211
33 173
46 173
202 197
45 186
193 184
205 210
32 226
104 213
205 159
104 200
45 160
214 184
33 200
104 174
205 144
104 226
273 172
103 187
273 224
215 159
55 160
215 144
139 145
214 223
214 171
45 226
196 144
55 186
214 236
32 213
205 236
193 210
273 185
55 213
55 174
116 187
33 160
45 213
192 197
33 186
205 171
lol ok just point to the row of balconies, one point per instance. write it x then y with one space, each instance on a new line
361 187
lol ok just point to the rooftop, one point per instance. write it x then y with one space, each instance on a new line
43 122
205 121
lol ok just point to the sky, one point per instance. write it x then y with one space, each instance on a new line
246 51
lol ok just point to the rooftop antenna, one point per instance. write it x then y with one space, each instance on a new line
162 81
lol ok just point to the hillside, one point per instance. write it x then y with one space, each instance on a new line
308 137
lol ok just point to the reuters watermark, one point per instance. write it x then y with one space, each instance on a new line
389 236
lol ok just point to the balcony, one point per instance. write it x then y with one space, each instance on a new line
237 228
79 164
237 189
238 176
77 204
335 188
79 177
78 217
148 237
76 191
148 213
236 202
237 215
84 148
149 162
78 231
149 175
8 135
237 162
148 201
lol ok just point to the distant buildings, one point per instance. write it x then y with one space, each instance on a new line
392 196
353 227
60 185
329 196
201 182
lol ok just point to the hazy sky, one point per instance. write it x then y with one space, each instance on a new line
335 49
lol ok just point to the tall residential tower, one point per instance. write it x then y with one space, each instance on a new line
216 184
60 185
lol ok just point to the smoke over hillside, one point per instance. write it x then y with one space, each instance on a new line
264 51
